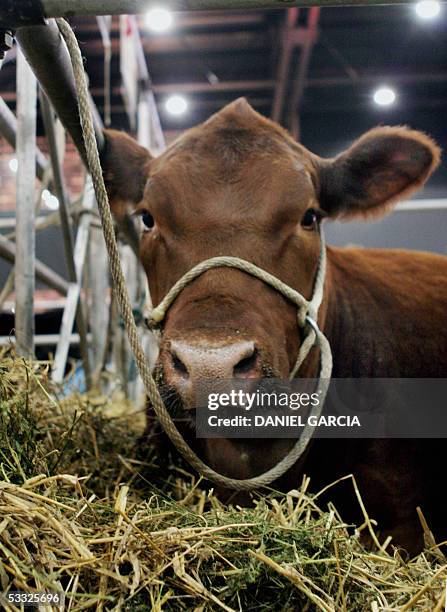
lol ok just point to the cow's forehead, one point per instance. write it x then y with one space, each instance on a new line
233 136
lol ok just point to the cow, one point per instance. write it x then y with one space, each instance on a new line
240 185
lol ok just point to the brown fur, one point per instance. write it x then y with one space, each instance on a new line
239 185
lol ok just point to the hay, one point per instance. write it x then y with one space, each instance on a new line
82 511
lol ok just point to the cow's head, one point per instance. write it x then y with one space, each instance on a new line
239 185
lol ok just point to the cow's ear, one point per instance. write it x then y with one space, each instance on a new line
383 166
125 167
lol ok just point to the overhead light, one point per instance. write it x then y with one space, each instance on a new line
384 96
13 164
50 200
176 105
158 19
428 9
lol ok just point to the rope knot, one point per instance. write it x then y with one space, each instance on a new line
157 315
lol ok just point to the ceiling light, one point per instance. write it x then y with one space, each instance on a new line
428 9
176 105
13 164
158 20
384 96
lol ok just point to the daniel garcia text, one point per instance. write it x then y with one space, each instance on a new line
284 420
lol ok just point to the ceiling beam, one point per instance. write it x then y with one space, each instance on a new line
282 72
185 21
300 80
221 86
264 102
318 82
200 103
186 43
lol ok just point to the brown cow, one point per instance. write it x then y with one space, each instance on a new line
240 185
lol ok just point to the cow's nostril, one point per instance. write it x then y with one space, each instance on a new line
179 366
246 365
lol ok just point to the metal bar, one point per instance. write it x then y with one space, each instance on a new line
74 307
8 129
221 86
48 57
40 304
192 44
284 63
41 340
422 205
25 213
43 272
147 138
71 8
144 131
147 99
7 288
311 82
318 82
99 302
104 25
10 281
42 221
59 184
190 21
366 79
128 66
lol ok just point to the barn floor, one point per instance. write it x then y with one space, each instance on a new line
81 510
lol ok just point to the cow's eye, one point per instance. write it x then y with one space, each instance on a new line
148 219
310 219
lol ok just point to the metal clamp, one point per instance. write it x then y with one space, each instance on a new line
313 324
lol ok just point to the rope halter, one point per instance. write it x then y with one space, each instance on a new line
307 309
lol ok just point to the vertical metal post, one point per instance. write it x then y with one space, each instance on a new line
74 305
25 216
149 137
104 25
99 303
144 135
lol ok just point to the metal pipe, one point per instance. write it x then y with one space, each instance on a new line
43 272
104 25
73 8
311 83
267 84
43 340
422 205
8 129
25 241
75 276
147 94
48 56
